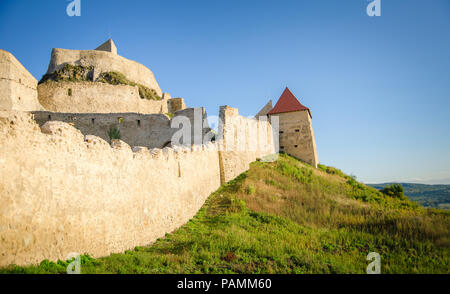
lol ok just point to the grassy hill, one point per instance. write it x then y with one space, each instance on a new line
287 217
437 196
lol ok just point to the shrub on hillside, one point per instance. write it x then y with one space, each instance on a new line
332 170
250 190
395 191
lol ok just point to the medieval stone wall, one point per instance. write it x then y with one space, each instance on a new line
103 61
149 130
64 188
90 97
17 85
242 141
62 192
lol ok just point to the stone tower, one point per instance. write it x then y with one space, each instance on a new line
296 131
108 46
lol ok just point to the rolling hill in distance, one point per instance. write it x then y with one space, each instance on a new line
436 196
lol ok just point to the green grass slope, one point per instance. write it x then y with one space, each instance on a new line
287 217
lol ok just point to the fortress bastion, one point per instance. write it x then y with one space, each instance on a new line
100 81
104 61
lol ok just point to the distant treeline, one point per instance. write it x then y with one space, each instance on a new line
436 196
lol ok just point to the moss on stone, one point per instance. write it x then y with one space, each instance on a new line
78 73
117 78
70 73
170 115
113 78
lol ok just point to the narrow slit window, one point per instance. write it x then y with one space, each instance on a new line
297 131
139 123
93 121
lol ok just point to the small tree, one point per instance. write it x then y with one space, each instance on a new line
394 190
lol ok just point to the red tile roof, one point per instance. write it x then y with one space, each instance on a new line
288 103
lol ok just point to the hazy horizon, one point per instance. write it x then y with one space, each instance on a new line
429 182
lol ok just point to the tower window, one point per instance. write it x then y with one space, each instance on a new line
139 123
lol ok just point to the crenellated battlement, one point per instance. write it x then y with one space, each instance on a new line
64 133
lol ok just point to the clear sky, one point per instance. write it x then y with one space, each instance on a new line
378 87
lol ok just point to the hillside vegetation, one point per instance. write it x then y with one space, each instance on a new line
287 217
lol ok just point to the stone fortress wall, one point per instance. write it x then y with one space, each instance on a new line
63 192
65 188
94 97
243 141
103 61
149 130
17 85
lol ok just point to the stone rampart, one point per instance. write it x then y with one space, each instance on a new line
149 130
242 141
95 97
103 61
63 192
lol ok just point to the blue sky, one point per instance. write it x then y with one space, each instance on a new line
378 87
